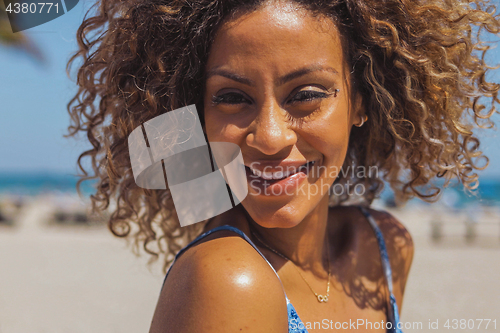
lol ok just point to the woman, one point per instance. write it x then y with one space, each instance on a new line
325 99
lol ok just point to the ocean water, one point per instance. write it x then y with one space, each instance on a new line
31 184
455 196
36 183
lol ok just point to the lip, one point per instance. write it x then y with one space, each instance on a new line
280 172
273 169
285 184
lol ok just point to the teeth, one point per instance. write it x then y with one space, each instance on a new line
256 172
275 175
279 174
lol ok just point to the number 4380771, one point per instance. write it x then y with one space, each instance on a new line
32 8
455 324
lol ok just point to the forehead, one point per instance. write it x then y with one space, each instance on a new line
278 36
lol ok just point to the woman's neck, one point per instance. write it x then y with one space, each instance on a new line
305 244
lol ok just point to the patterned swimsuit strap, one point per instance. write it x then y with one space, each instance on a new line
386 266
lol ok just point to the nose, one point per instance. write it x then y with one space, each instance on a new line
270 132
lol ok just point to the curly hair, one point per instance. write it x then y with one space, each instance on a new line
418 64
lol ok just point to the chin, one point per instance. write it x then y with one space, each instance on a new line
274 217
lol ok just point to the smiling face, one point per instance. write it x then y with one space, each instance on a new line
278 87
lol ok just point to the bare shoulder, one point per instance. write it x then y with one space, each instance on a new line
221 285
393 228
394 231
398 240
400 249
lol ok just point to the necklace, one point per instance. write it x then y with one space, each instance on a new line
321 298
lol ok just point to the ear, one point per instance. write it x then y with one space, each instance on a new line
358 108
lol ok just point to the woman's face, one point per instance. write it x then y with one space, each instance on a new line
277 86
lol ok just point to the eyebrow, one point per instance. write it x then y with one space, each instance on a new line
280 81
229 75
303 71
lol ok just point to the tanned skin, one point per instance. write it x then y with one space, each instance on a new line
272 77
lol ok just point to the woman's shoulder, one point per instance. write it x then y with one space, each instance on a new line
400 249
398 241
222 277
392 228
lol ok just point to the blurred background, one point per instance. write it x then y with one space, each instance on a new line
62 271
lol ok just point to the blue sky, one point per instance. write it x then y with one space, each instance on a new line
34 96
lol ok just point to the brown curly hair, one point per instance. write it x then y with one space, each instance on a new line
419 65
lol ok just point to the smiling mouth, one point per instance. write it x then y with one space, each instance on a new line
271 177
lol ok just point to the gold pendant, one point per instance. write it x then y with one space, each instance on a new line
322 299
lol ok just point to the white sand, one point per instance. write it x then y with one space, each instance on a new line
452 279
77 279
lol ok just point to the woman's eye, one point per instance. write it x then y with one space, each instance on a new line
307 96
231 98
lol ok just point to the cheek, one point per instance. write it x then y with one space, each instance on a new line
330 136
331 142
212 125
219 129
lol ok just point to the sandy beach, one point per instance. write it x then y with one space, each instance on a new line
79 278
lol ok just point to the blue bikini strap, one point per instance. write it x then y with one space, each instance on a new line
386 266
